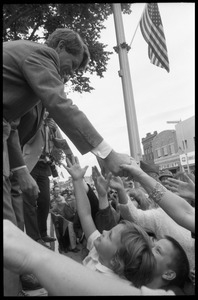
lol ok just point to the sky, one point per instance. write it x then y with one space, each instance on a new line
159 96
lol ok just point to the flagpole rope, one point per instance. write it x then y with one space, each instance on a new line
137 26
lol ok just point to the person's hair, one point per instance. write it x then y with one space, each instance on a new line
73 44
179 264
134 260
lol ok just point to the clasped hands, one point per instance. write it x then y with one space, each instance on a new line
116 163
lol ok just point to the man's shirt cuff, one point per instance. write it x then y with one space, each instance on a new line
102 150
18 168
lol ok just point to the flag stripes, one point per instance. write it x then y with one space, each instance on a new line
153 33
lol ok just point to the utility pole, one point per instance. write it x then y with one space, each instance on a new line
122 49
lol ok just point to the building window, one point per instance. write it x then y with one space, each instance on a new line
183 145
158 151
172 149
165 151
169 148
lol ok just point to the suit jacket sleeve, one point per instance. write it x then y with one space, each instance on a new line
41 70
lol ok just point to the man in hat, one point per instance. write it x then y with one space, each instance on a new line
151 169
164 175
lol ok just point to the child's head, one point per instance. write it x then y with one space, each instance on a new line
172 264
126 249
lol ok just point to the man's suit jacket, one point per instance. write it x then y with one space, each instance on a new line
31 74
33 149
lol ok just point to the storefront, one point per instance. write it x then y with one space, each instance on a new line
187 161
171 162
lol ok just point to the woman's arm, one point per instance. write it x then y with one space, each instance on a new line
176 207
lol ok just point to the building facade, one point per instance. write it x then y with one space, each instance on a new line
165 151
185 132
148 155
172 149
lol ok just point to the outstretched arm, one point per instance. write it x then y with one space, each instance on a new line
82 201
102 186
176 207
62 276
116 183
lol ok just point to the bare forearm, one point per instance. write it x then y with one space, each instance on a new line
82 201
103 202
58 274
175 206
65 277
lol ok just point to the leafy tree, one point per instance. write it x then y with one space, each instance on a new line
36 21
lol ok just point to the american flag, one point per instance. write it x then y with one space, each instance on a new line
153 33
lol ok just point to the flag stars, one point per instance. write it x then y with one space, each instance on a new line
154 13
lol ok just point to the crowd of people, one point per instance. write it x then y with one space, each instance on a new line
138 227
131 230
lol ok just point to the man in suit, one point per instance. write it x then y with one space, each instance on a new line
33 73
35 130
38 157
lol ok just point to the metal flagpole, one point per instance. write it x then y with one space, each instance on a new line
124 73
137 27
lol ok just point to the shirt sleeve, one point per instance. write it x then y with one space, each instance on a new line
92 238
145 218
129 211
102 150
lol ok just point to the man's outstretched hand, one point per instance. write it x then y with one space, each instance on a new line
112 164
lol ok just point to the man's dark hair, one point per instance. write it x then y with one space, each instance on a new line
73 44
179 264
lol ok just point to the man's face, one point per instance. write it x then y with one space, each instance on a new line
56 192
164 180
68 63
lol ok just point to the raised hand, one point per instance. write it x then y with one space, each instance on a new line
74 169
140 197
113 162
182 188
116 183
100 182
132 170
